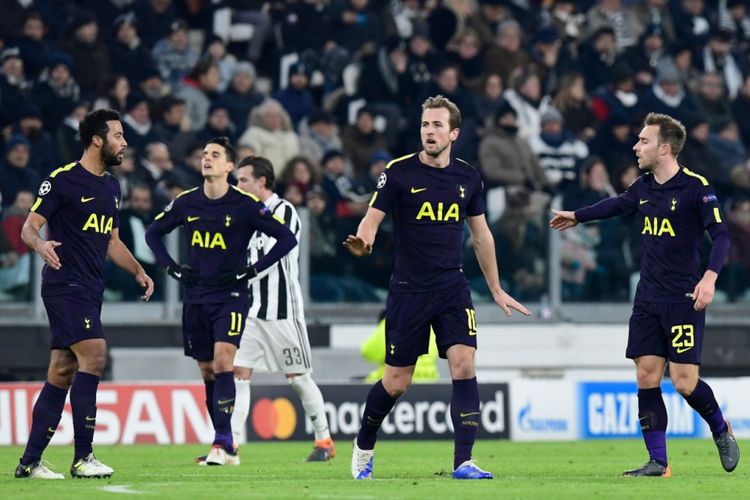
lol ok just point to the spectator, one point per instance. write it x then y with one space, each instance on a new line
35 50
137 124
318 135
189 170
489 98
695 153
128 50
174 127
116 92
355 26
506 54
717 57
741 112
271 134
241 96
44 154
566 19
198 90
360 141
15 88
738 271
611 14
125 172
525 97
574 104
655 14
614 141
560 153
668 95
66 136
153 169
15 174
56 91
155 18
174 56
343 200
377 163
89 54
550 57
465 51
423 61
644 57
597 55
737 20
734 166
218 124
216 51
711 100
617 98
300 172
691 21
153 87
296 98
487 20
323 238
15 258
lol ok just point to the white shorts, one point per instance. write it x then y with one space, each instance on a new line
279 345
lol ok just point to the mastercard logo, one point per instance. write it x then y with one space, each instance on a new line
274 419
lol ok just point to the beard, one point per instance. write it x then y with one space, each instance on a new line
110 157
436 153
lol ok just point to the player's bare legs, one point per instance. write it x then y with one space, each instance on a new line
464 411
698 394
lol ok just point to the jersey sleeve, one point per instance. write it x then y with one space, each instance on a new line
118 201
265 221
707 205
476 203
51 197
164 223
386 192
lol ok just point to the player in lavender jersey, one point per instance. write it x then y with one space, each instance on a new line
431 195
677 207
79 203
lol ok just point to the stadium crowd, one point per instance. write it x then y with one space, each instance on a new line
552 95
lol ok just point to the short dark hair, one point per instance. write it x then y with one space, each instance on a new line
671 131
224 142
262 167
95 123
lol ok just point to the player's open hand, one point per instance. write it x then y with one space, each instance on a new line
145 281
703 293
506 303
357 246
47 251
563 219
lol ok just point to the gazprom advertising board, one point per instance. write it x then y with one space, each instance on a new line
543 410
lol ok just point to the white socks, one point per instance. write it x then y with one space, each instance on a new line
312 402
241 410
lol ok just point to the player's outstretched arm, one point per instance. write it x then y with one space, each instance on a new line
361 244
563 219
484 247
120 255
45 248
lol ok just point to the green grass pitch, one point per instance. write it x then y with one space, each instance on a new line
414 469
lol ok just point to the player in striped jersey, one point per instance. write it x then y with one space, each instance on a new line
275 338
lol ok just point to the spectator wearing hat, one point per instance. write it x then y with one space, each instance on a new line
15 174
173 128
35 49
15 88
127 51
559 152
681 54
44 156
136 123
216 51
271 134
296 98
343 199
241 96
668 94
218 124
360 141
90 57
199 89
318 134
506 160
717 57
506 54
56 91
551 57
173 54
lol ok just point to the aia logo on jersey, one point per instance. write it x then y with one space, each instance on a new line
709 198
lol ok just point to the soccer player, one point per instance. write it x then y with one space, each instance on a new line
430 194
275 337
218 220
79 203
669 311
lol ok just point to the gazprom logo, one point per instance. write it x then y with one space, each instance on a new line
610 410
529 423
